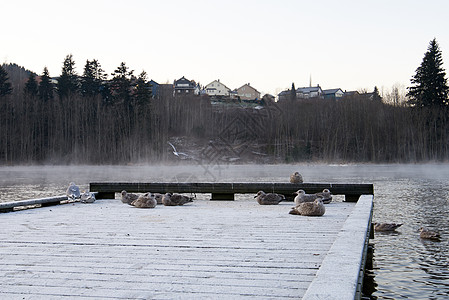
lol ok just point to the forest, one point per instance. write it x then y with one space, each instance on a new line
131 126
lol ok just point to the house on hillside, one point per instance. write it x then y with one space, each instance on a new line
309 92
217 89
333 94
183 86
247 92
351 94
155 87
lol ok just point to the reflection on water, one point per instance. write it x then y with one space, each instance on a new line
404 266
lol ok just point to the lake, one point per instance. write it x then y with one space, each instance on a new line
404 266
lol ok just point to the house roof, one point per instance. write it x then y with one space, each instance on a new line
331 91
306 90
217 81
248 85
184 83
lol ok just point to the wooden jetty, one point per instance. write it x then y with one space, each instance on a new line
226 191
203 250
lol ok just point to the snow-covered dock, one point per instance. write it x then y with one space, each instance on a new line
206 249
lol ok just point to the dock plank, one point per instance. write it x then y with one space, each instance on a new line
205 249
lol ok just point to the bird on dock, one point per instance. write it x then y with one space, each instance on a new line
128 198
145 201
303 197
73 191
268 199
315 208
158 197
87 197
386 226
326 196
170 199
428 235
296 178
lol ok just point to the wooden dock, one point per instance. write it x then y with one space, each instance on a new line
203 250
227 190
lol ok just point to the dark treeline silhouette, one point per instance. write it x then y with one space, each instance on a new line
91 128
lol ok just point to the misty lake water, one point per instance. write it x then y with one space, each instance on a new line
416 195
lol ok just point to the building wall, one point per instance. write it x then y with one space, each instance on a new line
247 92
216 88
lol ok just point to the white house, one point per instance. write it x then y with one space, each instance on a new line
216 88
309 92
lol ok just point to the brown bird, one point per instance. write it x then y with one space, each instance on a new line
296 178
386 226
158 197
326 196
268 199
315 208
428 235
303 197
128 198
170 199
145 201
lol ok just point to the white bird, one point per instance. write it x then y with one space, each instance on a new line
181 155
73 191
87 197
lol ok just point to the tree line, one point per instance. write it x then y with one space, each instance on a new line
90 119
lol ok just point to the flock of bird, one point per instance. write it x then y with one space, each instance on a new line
305 204
151 200
73 193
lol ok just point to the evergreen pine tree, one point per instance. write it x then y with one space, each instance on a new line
46 86
293 92
5 85
142 93
68 81
31 87
121 84
430 87
92 79
376 95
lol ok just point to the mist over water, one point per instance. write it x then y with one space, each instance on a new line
416 195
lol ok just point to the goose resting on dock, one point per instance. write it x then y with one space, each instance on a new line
268 199
315 208
386 226
128 198
296 178
170 199
145 201
73 191
428 235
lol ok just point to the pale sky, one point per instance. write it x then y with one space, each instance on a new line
344 44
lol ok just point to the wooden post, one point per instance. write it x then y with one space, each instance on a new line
222 196
105 195
352 198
